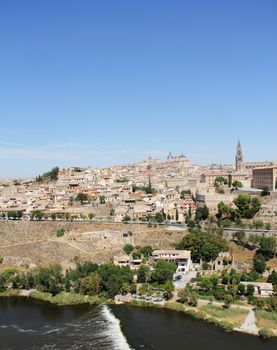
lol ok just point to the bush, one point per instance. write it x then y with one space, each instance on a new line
128 248
266 333
60 232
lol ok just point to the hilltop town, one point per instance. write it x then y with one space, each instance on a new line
151 190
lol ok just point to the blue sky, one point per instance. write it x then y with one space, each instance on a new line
113 81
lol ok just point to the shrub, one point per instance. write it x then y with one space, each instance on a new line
128 248
266 333
60 232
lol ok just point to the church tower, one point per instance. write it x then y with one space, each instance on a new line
239 158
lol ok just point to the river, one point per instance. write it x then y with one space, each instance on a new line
26 324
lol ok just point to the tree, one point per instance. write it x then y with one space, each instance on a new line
112 212
188 296
146 251
136 254
143 274
102 199
203 245
272 278
247 206
2 283
37 214
228 299
163 272
90 284
250 289
220 180
265 192
241 289
267 247
81 197
237 184
91 216
159 217
202 213
126 218
128 248
239 237
259 263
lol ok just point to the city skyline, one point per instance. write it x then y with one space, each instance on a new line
113 83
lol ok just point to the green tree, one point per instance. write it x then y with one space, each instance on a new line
259 263
143 274
203 245
126 218
272 278
90 285
159 217
163 272
81 197
228 299
250 289
247 206
202 213
146 251
241 289
239 237
237 184
265 192
102 199
128 248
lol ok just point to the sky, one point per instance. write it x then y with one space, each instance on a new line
115 81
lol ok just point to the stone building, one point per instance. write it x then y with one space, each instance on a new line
265 178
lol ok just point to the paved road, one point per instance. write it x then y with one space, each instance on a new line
184 280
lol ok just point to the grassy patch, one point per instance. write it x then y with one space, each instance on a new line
266 319
65 298
235 316
9 293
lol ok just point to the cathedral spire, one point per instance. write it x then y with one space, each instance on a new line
239 157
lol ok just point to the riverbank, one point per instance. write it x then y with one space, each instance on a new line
61 299
229 319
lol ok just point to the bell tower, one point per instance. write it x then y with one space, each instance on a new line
239 158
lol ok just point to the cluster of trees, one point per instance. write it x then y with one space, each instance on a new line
203 245
14 215
227 287
161 278
147 189
265 248
51 175
247 208
138 252
88 278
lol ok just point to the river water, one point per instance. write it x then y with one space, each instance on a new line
26 324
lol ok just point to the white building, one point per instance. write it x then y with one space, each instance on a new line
182 258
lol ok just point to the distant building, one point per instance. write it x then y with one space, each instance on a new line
265 178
